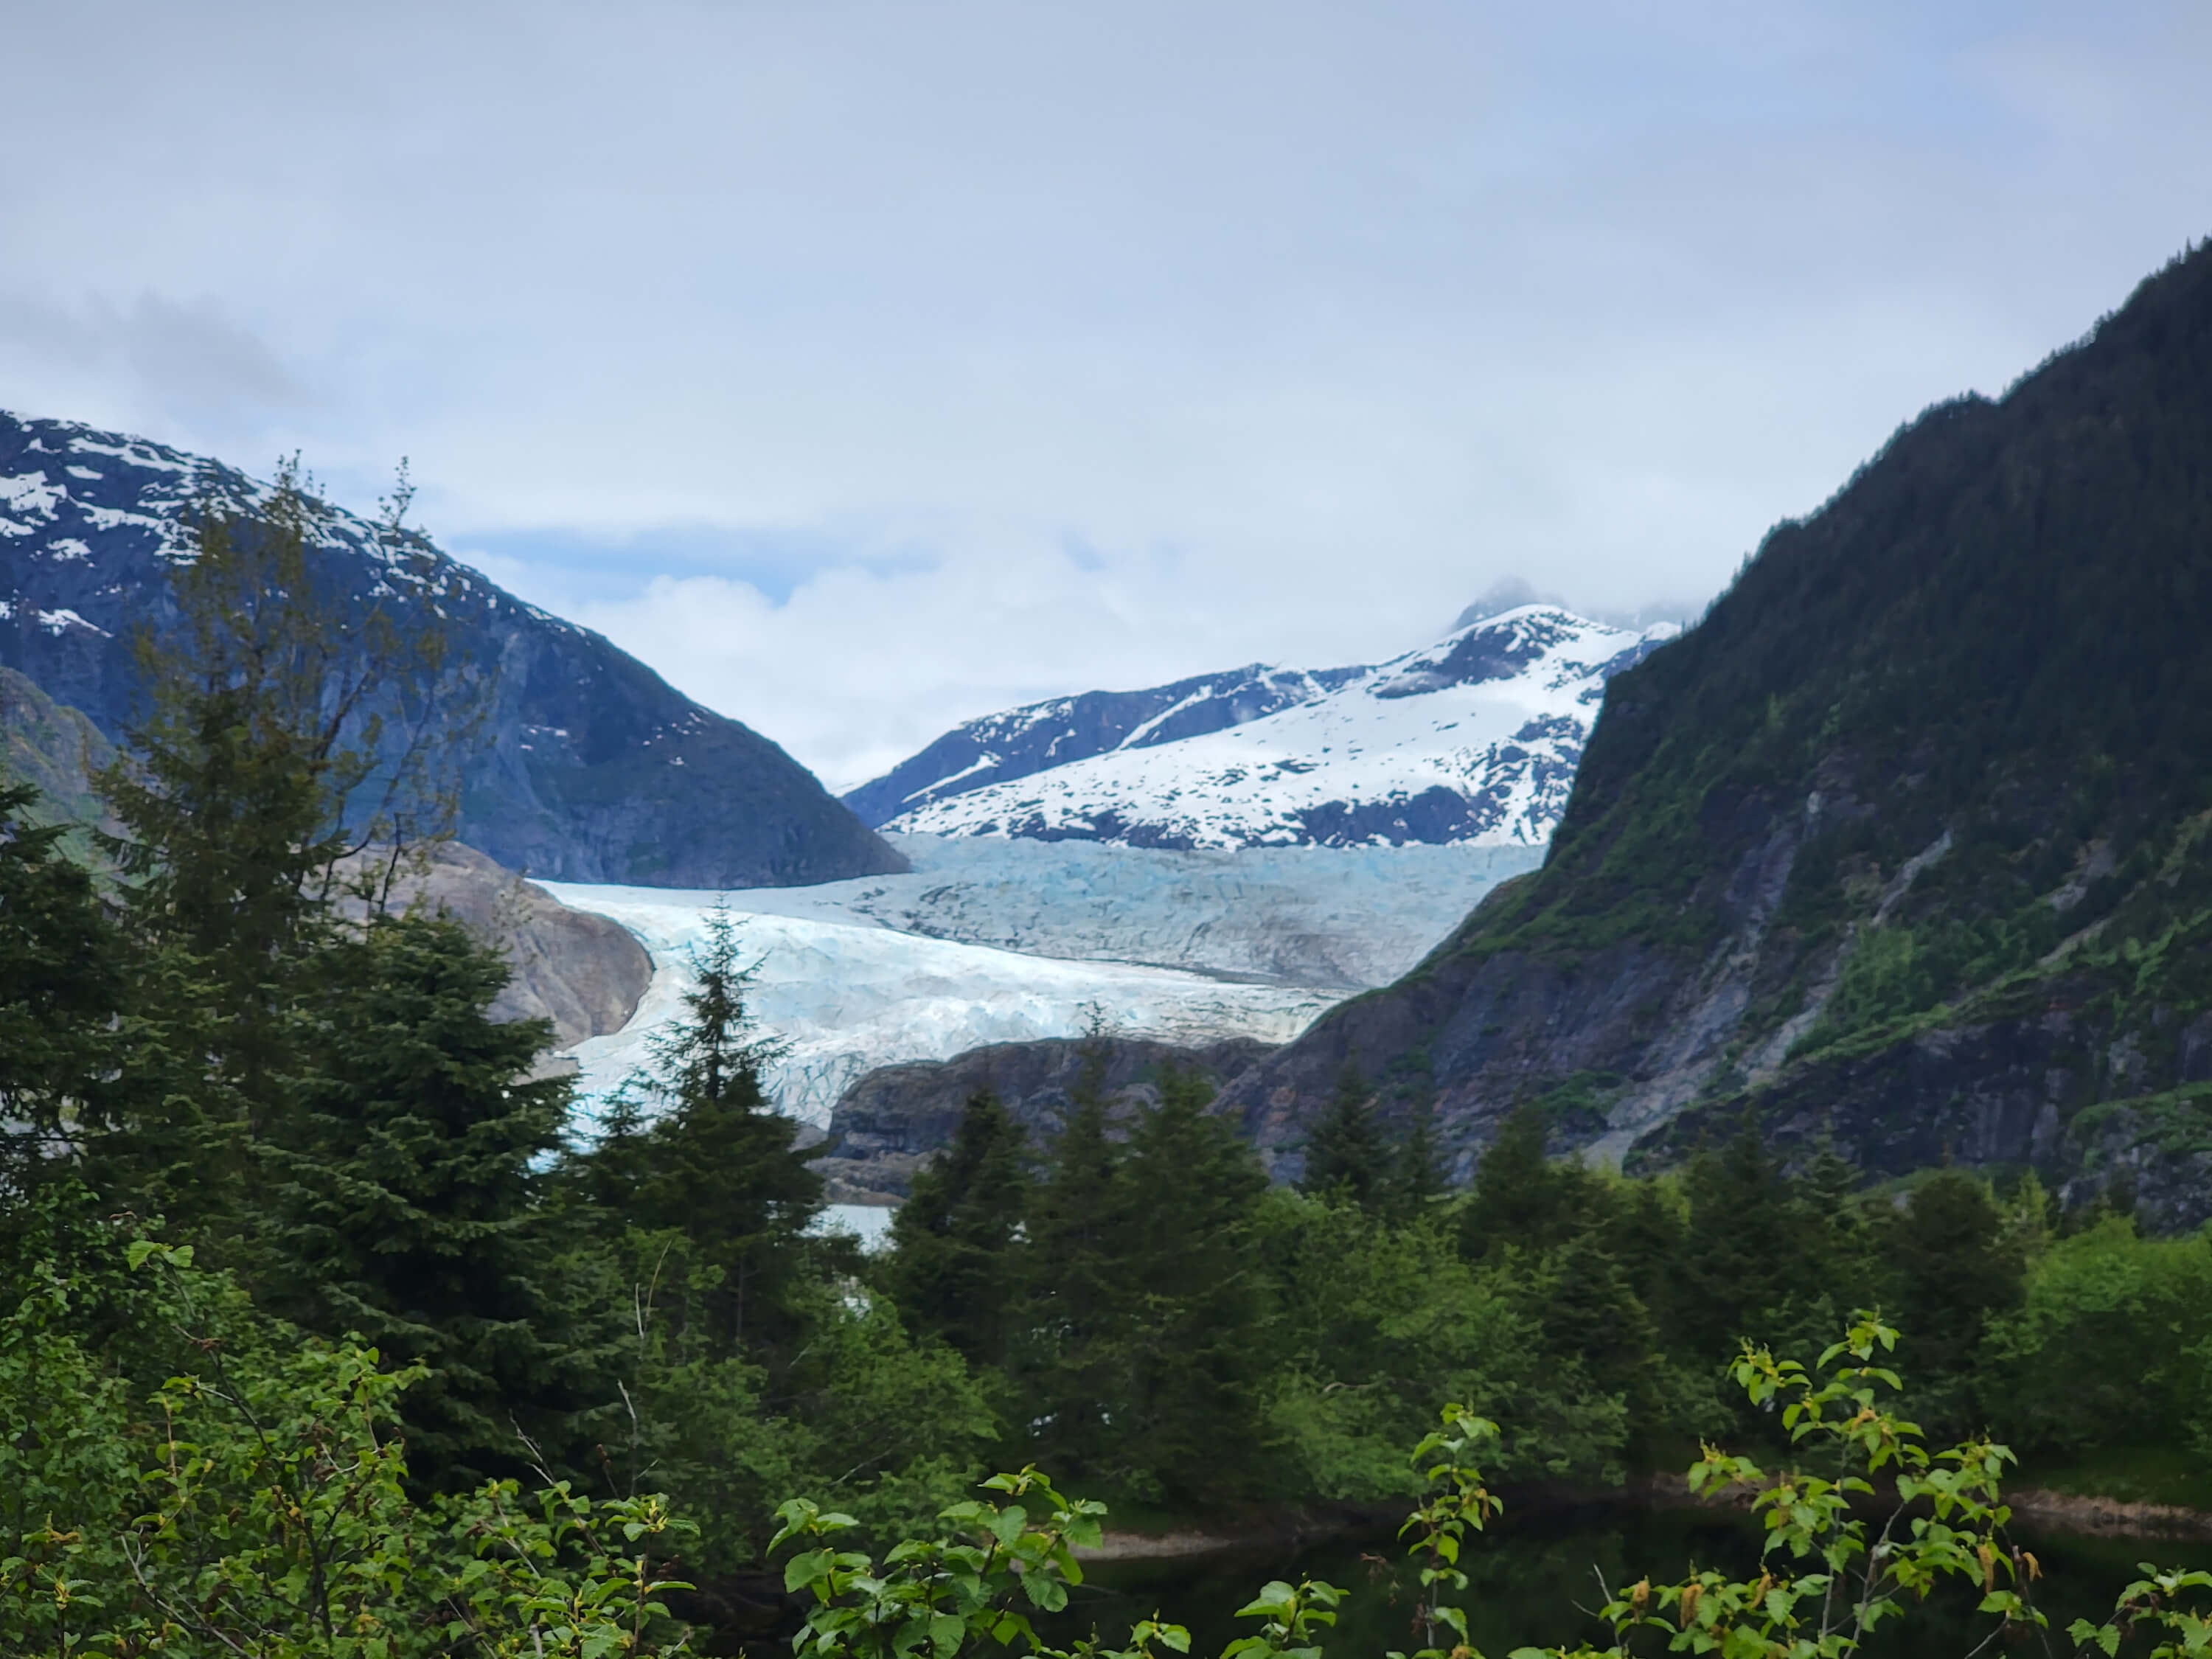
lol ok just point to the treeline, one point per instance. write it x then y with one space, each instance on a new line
230 1035
231 1050
1150 1316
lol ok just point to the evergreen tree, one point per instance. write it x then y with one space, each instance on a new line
1187 1417
1644 1236
289 727
1592 1318
598 1178
1074 1308
405 1191
954 1267
1739 1258
1953 1267
1523 1199
1344 1154
63 988
1836 1255
1416 1171
719 1165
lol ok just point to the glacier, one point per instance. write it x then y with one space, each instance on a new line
991 940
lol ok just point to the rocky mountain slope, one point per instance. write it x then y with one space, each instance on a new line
894 1119
588 766
55 749
1473 739
584 972
1905 844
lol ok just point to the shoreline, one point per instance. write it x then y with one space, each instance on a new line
2088 1514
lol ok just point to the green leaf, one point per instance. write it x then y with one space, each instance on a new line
1044 1592
805 1567
1273 1601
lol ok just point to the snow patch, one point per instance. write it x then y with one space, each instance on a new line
60 622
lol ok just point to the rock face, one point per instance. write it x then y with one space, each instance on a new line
894 1119
55 748
1909 844
582 972
586 765
1473 740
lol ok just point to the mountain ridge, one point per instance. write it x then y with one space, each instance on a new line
1903 847
1469 740
594 768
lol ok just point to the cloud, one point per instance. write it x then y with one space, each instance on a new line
189 360
866 365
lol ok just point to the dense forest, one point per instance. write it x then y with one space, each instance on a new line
327 1328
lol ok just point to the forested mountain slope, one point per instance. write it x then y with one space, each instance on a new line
586 765
1904 844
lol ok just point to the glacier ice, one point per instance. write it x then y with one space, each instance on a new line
988 941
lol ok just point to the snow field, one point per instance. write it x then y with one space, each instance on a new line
1510 743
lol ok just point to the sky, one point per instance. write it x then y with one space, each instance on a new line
866 367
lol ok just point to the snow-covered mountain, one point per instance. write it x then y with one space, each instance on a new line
584 763
1473 740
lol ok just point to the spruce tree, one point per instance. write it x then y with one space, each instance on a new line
1592 1320
1738 1259
289 726
1073 1313
405 1191
1344 1154
63 979
954 1267
1953 1267
1187 1417
1644 1235
1416 1169
1521 1199
598 1176
719 1163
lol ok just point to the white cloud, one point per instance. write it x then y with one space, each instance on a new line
1310 320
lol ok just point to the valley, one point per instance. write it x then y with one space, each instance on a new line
1084 832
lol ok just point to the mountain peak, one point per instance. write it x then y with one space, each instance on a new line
589 765
1472 739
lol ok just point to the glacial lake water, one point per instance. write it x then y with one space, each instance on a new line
1533 1578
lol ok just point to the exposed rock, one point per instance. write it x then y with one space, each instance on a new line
583 972
54 747
896 1118
1907 844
